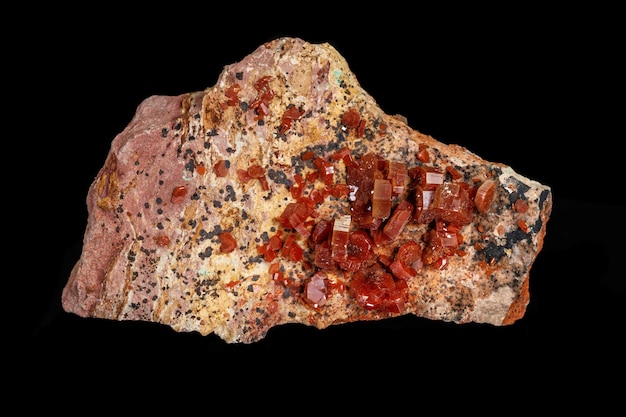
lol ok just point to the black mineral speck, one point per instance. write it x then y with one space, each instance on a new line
216 231
206 254
298 164
279 177
164 131
515 236
537 226
256 259
543 197
521 187
232 196
492 251
360 149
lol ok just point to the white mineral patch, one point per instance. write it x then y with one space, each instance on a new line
494 308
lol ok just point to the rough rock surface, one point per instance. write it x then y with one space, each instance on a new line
237 156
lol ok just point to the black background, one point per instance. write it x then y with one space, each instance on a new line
533 89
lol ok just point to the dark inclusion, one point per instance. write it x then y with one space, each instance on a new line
497 252
232 195
206 254
279 177
217 229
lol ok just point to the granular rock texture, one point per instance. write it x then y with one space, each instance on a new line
284 194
